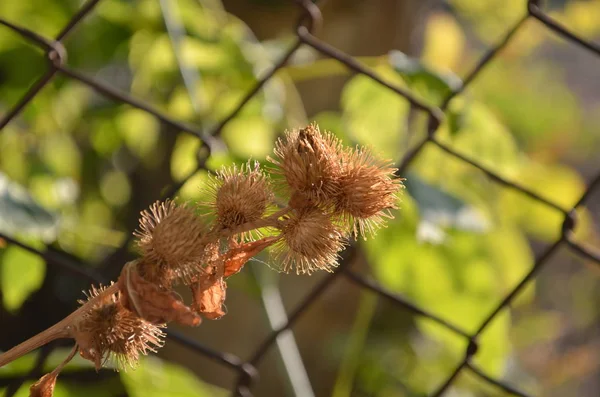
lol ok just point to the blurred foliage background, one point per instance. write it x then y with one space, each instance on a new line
76 169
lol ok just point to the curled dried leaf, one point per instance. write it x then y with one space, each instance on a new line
209 296
152 303
44 387
237 256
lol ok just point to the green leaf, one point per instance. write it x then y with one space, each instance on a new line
430 84
21 273
440 210
555 182
20 214
479 134
467 313
139 130
61 154
157 378
249 137
375 115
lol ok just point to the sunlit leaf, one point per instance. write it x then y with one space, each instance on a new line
534 102
61 154
115 188
467 313
249 137
157 378
139 130
21 273
184 158
203 55
435 86
374 115
557 183
512 258
490 19
444 42
580 17
481 136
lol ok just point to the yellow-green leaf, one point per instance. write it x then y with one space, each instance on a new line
157 378
21 273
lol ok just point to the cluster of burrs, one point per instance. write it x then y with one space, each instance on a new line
332 193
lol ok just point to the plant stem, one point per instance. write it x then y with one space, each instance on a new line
66 360
61 329
279 213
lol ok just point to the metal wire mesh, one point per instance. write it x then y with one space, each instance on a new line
311 18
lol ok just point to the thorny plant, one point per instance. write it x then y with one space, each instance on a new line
333 193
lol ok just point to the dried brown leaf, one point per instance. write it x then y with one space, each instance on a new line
209 296
149 301
237 256
44 387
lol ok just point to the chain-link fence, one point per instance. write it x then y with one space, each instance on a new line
311 19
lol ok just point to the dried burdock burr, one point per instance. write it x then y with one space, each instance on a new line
333 192
109 331
171 239
309 161
238 195
368 191
310 241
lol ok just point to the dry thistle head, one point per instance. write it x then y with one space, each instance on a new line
111 332
368 190
239 196
310 162
171 241
309 241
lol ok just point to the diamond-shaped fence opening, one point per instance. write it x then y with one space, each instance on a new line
246 368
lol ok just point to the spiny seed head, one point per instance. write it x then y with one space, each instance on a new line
171 241
368 190
309 242
310 162
238 196
111 332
